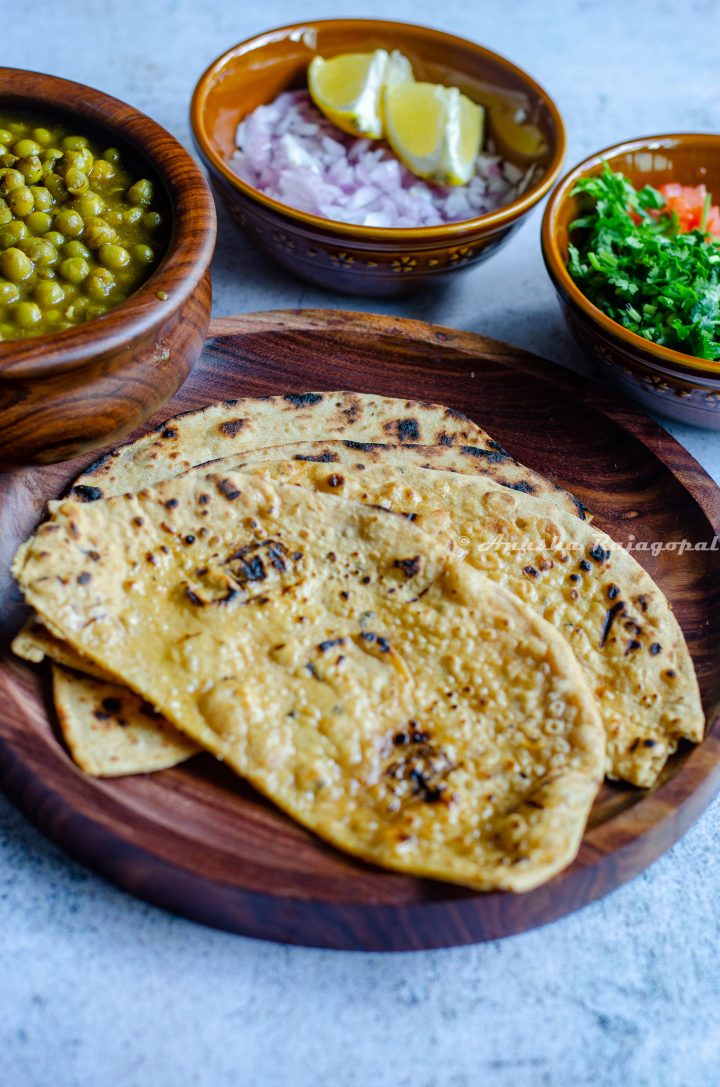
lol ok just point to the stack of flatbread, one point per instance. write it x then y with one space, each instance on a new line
415 646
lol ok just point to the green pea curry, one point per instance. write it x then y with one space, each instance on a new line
78 232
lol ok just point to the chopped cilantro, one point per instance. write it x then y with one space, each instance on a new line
630 257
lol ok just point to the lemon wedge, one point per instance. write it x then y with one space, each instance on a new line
434 130
516 138
348 88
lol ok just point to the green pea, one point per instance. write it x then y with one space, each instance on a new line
15 266
52 154
55 238
114 217
5 213
110 155
42 197
42 136
21 202
40 251
132 216
76 310
39 222
7 160
25 314
49 293
13 233
56 186
11 179
24 148
79 160
49 254
30 168
143 253
76 249
140 193
69 223
8 292
152 220
89 205
98 232
6 136
99 283
75 143
74 269
102 171
4 150
114 257
76 181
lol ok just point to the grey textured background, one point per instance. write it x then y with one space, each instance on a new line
98 989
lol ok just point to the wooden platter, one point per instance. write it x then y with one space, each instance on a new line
194 839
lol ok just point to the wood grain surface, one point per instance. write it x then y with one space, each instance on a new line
195 839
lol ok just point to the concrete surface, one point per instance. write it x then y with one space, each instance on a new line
98 989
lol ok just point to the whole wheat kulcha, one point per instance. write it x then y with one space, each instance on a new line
609 610
604 604
239 426
235 425
388 696
110 731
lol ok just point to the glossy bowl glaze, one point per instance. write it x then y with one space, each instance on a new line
356 259
69 392
665 381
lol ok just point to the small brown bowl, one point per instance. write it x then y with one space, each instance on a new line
68 392
356 259
665 381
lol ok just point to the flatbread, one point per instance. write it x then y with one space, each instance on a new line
616 620
110 731
238 426
35 642
235 425
387 696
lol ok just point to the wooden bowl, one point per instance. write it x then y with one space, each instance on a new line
366 260
665 381
68 392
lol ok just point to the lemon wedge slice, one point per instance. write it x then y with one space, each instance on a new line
434 130
516 139
348 88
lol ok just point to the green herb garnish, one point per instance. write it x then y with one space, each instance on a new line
632 260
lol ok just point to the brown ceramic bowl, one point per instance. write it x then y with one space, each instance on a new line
69 392
364 260
665 381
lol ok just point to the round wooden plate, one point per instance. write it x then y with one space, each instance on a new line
199 842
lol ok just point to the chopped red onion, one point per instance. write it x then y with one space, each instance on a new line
292 153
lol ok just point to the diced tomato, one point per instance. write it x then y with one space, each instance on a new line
713 221
688 202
